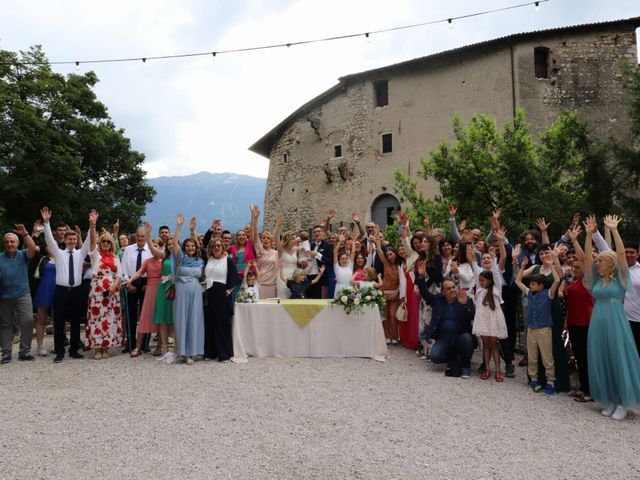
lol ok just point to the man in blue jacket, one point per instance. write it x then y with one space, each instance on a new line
451 325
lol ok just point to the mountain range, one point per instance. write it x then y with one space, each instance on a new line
207 196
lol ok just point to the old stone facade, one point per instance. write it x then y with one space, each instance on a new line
341 149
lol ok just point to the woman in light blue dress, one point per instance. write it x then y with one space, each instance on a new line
614 365
188 312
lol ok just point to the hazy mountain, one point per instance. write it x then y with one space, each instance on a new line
206 196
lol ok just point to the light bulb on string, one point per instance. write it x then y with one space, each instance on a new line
144 60
368 37
537 5
450 21
77 66
213 54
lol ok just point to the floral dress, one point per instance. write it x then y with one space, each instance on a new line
104 319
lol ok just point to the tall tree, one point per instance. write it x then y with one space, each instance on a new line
59 147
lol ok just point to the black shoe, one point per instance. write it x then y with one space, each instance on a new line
25 357
509 370
481 368
58 358
76 355
6 359
66 342
126 350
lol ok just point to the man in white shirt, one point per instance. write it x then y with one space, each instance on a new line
67 299
632 297
132 259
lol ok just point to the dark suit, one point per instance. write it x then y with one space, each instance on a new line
326 250
218 315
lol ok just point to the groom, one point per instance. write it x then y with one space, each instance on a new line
322 252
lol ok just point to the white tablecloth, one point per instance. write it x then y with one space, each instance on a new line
267 330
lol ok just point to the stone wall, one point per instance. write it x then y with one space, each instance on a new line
494 78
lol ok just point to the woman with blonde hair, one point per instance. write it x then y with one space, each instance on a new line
267 257
287 258
104 319
614 366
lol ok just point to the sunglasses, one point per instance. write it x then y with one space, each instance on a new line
108 242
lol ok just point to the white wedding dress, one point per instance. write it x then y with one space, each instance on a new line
288 263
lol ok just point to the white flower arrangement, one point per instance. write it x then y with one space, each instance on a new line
246 295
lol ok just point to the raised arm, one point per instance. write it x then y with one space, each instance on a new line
573 234
193 223
29 244
523 288
590 226
52 245
544 229
156 252
93 219
278 231
325 224
501 235
356 219
607 235
550 261
453 227
175 249
612 221
255 235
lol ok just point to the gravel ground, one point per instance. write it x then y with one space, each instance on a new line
296 418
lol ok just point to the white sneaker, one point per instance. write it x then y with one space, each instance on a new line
620 413
42 351
190 361
608 410
170 358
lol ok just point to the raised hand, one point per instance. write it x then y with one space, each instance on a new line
590 224
501 234
45 213
147 228
331 213
37 228
180 219
574 232
76 229
517 250
611 221
462 296
496 213
355 217
426 222
576 219
20 230
404 219
525 262
115 228
542 225
280 219
462 226
452 211
255 211
93 218
342 237
193 223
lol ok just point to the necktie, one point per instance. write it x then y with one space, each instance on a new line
139 259
71 272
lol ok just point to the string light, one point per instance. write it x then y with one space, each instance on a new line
77 66
449 21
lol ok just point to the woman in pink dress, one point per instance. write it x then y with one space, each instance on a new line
104 319
153 268
267 257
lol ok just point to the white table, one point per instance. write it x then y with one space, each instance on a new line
267 330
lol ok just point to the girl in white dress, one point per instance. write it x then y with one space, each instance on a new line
343 264
287 258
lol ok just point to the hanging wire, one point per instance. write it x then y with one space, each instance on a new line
367 34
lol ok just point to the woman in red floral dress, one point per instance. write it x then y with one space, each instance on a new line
104 319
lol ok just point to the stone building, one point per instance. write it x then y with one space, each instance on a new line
342 147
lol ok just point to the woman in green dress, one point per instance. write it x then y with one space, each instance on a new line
163 311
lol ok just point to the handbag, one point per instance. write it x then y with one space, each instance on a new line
401 313
170 293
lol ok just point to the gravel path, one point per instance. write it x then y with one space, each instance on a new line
296 418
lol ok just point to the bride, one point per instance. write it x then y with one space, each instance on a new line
287 257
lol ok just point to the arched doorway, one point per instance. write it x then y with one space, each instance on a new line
383 209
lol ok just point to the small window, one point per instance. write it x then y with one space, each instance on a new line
382 93
337 151
285 157
387 143
541 61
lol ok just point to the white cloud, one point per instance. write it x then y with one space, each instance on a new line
198 114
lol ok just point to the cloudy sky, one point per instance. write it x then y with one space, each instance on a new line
202 114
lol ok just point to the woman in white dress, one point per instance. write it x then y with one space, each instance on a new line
343 264
287 258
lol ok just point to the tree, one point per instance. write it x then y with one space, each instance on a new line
485 169
59 147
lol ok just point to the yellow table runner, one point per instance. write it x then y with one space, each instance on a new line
301 311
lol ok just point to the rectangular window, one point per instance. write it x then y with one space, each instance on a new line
541 61
382 93
387 143
337 151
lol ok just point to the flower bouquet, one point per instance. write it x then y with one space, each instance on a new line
246 295
353 300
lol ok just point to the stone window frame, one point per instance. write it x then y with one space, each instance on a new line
537 66
382 135
337 145
376 96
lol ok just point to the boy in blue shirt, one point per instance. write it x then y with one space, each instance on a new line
539 323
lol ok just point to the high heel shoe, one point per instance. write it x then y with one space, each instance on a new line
135 353
485 375
499 377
